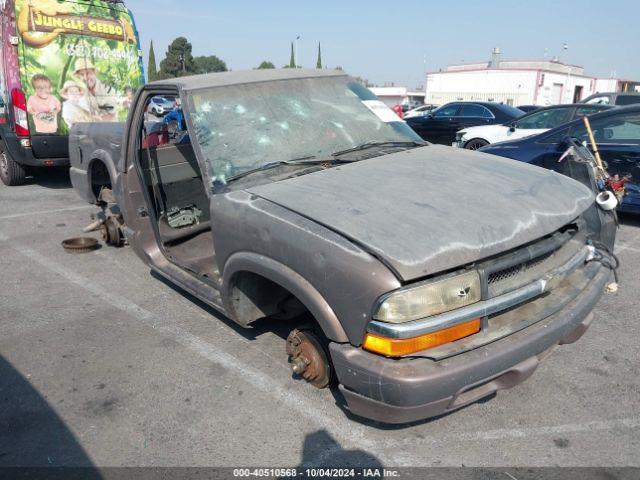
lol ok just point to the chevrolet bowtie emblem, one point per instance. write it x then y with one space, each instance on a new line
464 292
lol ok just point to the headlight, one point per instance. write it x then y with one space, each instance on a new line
430 298
459 136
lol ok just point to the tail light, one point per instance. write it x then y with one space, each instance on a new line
20 119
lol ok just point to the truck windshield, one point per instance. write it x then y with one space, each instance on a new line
241 128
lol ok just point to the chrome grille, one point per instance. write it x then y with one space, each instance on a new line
516 270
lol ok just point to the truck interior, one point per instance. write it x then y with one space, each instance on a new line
179 203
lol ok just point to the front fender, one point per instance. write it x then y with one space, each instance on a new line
302 255
288 279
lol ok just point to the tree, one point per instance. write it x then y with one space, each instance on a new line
178 61
209 64
292 61
319 62
265 65
152 69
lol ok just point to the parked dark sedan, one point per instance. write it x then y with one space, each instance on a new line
617 133
528 108
441 125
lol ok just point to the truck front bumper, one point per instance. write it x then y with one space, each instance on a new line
409 389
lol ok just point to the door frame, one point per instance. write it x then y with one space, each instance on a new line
207 291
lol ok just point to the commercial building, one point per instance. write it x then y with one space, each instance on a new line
392 95
518 82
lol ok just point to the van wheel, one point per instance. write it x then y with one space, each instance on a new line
11 172
476 143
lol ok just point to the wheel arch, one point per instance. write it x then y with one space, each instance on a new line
100 159
466 144
243 263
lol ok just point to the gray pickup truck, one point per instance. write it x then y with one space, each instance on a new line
428 277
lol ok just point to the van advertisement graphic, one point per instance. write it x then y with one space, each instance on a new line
81 62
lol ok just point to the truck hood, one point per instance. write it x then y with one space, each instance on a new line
434 208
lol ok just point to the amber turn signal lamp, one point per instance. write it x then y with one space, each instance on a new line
397 347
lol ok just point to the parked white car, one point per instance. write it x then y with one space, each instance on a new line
420 111
533 123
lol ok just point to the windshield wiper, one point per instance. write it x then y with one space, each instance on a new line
368 145
313 160
309 160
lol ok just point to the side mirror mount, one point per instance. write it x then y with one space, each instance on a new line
567 142
513 126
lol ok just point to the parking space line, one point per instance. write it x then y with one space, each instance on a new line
623 248
506 434
347 432
45 212
522 433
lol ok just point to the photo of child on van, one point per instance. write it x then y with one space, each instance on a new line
43 105
75 108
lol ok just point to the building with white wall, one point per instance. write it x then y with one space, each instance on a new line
517 82
392 96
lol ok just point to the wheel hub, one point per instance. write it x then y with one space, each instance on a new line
111 233
308 359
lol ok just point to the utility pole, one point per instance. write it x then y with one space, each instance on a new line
565 47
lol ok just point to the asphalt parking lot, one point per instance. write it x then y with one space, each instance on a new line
102 363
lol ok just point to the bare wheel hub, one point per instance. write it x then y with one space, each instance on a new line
307 358
111 233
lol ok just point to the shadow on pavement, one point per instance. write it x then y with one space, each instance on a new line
321 450
31 433
56 178
258 328
629 219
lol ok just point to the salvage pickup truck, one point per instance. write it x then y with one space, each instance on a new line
429 277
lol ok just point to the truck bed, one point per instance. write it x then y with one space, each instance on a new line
95 151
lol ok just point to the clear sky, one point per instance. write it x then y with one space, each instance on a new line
396 41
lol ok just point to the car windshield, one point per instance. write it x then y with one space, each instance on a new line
241 128
509 110
545 119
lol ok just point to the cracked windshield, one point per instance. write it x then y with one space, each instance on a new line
243 127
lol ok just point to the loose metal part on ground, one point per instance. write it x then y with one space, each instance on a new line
80 245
